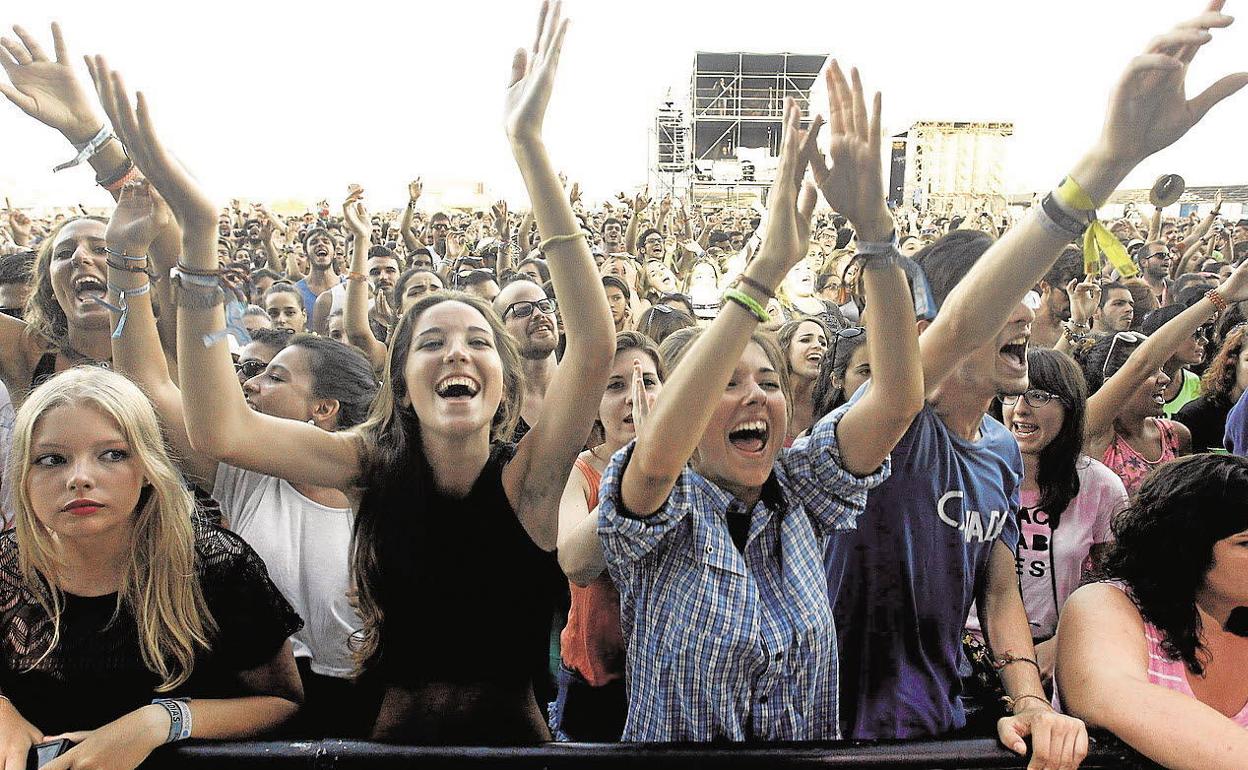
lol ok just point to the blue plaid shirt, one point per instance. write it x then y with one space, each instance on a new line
723 645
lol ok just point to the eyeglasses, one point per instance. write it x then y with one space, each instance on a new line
1130 338
441 226
524 308
1035 398
848 333
249 369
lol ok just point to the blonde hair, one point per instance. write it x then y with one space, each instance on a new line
159 585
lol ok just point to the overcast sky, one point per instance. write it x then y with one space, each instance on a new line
279 100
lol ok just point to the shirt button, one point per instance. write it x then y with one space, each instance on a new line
709 549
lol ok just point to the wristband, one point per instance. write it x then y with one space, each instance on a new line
88 150
122 307
179 711
1215 296
750 305
1098 241
1057 221
757 286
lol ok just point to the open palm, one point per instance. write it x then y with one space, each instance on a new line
44 89
533 75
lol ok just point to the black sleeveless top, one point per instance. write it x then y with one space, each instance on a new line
467 595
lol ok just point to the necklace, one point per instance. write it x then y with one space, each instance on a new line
78 357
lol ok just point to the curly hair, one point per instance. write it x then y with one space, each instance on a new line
1163 544
1219 379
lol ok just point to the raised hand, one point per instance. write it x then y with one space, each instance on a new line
139 217
641 399
355 215
792 201
640 203
854 184
1149 109
47 90
133 124
1085 298
499 210
533 76
19 224
574 195
414 189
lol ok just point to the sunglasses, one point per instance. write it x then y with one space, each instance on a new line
1130 338
13 312
1035 398
524 308
849 333
249 369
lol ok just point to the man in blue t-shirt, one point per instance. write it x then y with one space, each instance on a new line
942 532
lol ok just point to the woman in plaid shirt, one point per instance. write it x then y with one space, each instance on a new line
713 534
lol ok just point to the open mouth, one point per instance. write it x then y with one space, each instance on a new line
749 437
1159 397
1015 352
89 288
1025 429
815 358
457 388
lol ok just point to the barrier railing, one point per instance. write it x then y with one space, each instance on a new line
1105 752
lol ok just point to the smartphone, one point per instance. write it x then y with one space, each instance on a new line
43 753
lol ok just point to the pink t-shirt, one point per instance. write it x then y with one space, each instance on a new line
1050 566
1130 465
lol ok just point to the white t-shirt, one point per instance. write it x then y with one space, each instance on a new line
306 547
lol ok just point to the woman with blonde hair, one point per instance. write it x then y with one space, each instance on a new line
97 611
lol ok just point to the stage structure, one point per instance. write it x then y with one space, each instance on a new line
719 144
936 163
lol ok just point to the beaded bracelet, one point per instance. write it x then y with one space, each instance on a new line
749 304
1215 296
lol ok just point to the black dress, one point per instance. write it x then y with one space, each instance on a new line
96 673
467 598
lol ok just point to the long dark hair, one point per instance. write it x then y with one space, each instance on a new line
339 372
398 480
1163 544
1058 476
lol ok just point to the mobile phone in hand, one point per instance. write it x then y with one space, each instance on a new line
43 753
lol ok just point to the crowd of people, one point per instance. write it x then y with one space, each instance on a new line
640 471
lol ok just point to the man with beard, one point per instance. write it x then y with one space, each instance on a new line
383 274
1155 267
1054 308
321 248
530 317
613 237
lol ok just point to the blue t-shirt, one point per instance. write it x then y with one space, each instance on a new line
309 297
1236 437
901 585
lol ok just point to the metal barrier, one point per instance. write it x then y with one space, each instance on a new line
1106 752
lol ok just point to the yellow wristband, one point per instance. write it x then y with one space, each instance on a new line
749 303
1098 241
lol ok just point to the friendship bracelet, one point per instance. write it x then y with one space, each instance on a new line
356 276
111 178
1010 657
1011 703
757 286
88 150
122 306
132 173
1215 296
749 304
557 239
127 268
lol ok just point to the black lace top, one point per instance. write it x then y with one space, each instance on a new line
96 673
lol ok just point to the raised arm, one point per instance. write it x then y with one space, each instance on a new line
1102 672
854 186
218 421
50 92
410 240
136 347
355 314
1103 405
1148 111
640 203
502 228
680 416
535 478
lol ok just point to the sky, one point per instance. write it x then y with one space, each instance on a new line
279 100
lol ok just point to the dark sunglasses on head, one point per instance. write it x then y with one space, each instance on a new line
249 369
524 308
848 333
13 312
